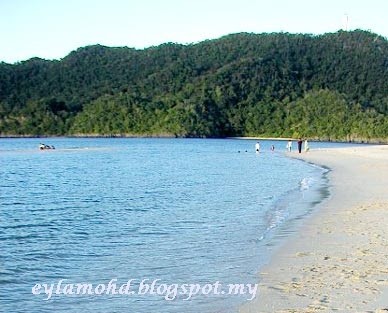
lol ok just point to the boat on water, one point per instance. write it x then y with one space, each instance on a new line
45 147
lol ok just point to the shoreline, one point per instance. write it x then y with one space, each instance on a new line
335 259
371 141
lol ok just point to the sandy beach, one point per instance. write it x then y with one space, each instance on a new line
338 260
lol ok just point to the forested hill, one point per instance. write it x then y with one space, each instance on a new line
332 86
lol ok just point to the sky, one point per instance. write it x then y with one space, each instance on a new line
51 29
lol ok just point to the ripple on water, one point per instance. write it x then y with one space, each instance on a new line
184 211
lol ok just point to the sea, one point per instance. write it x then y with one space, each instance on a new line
169 211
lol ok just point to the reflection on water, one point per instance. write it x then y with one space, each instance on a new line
183 211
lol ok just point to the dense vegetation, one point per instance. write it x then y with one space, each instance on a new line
333 86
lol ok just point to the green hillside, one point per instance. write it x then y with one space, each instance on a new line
332 87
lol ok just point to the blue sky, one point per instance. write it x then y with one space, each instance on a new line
50 29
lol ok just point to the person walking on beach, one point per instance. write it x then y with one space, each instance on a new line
306 146
289 146
257 147
300 145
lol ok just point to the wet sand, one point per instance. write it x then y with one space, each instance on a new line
338 260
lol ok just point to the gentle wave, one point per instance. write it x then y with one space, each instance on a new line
179 210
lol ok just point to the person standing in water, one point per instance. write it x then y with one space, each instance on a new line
257 147
272 148
306 146
289 146
300 145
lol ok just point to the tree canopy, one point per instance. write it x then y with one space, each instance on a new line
332 87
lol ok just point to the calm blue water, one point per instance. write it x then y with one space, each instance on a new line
179 210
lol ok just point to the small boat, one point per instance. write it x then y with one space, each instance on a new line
45 147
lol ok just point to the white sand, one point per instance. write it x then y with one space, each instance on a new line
338 261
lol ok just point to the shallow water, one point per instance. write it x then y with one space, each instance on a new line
178 210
